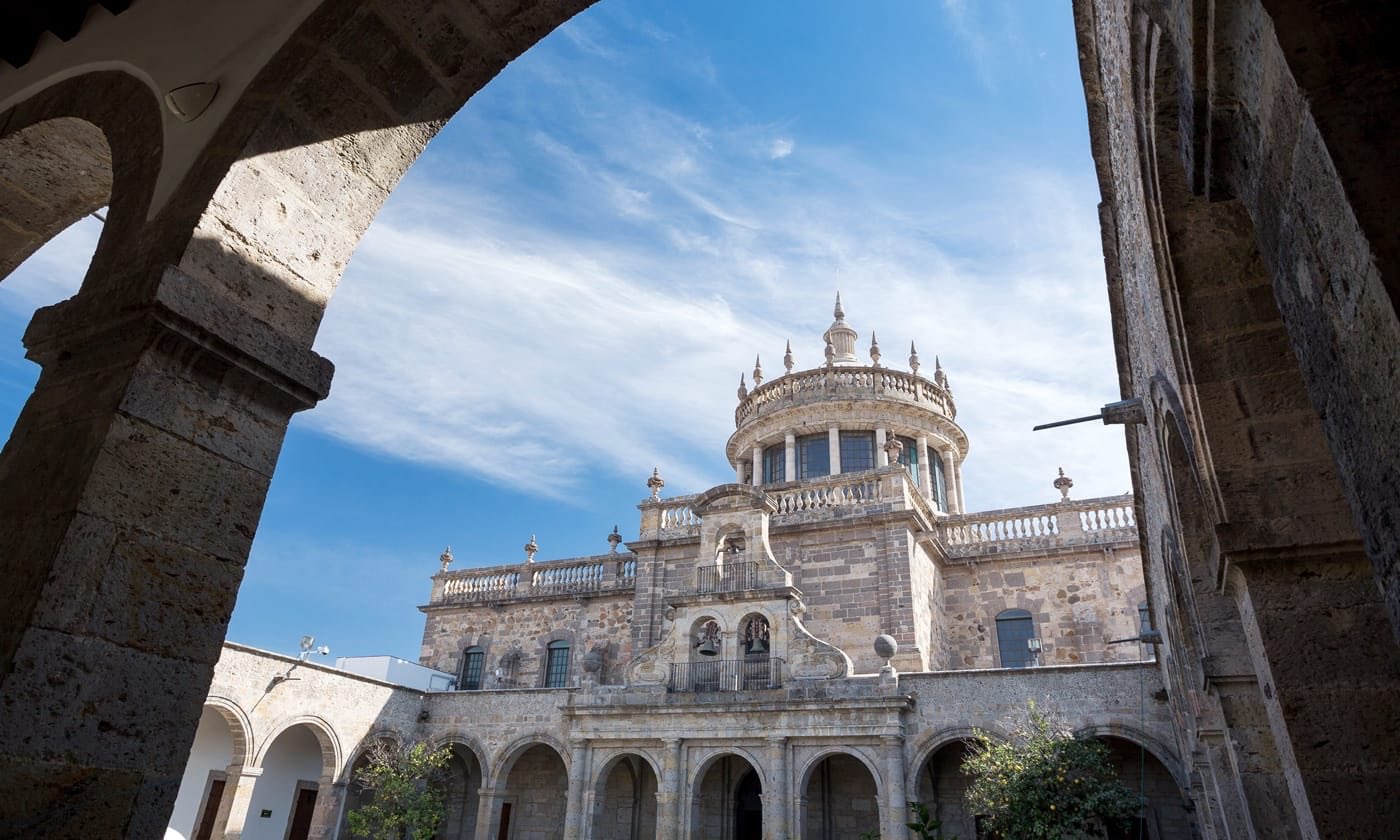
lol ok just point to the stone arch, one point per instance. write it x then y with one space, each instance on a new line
757 623
937 779
505 758
624 807
1143 766
846 802
1154 746
463 787
90 140
240 727
711 789
535 801
331 755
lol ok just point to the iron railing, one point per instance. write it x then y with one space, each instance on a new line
739 576
748 674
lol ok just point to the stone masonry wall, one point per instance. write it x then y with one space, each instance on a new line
1078 601
527 627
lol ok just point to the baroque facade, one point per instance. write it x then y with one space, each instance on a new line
795 654
1244 151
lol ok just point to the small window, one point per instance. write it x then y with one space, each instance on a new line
909 457
857 451
940 482
556 669
775 464
473 663
813 456
1015 630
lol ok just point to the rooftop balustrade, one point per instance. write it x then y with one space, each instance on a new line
1059 524
820 384
571 577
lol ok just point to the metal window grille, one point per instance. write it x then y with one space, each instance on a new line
472 666
813 456
857 451
910 456
775 464
556 671
1014 629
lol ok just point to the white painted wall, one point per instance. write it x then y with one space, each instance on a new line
294 756
212 750
392 669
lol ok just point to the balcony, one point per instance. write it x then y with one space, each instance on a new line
731 577
572 577
752 673
1057 525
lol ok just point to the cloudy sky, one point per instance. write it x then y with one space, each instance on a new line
564 290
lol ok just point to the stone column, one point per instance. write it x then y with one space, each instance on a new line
739 472
882 458
757 466
578 781
896 807
488 813
777 797
949 473
833 441
958 483
330 802
1228 808
925 471
130 490
669 788
790 443
238 795
1329 674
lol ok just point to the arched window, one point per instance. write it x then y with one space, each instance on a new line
556 667
473 664
1015 632
909 456
775 464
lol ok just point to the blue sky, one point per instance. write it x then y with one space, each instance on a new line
563 291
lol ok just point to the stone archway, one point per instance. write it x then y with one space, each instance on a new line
840 799
624 799
1167 811
532 793
726 800
298 769
941 785
465 778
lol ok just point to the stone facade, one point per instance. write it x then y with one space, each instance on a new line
1244 151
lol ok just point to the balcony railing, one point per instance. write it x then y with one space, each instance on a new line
1091 521
731 577
837 382
567 577
748 674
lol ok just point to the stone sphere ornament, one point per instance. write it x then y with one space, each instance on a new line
593 662
886 647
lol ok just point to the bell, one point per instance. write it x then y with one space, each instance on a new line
709 648
758 646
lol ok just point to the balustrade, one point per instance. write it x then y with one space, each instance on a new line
1057 524
853 489
821 383
565 578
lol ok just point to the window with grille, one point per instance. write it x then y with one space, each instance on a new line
910 456
813 456
857 451
775 464
473 663
1014 630
556 669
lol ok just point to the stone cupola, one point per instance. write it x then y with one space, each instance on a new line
841 337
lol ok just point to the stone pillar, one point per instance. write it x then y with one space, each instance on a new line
130 490
958 483
925 471
739 472
790 443
1230 815
578 781
949 473
233 806
670 800
1252 788
777 797
488 813
833 440
895 811
882 458
757 467
1329 674
330 802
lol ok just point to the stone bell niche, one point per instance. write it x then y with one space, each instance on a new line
740 628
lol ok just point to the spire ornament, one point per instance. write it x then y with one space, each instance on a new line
446 558
757 372
874 350
841 338
743 389
655 483
913 359
1063 483
938 375
614 540
787 358
531 549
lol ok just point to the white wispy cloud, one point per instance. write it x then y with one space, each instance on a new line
781 148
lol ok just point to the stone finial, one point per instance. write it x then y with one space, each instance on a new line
446 558
614 540
743 389
840 339
655 483
531 549
787 358
1063 483
938 375
874 350
757 372
913 359
894 447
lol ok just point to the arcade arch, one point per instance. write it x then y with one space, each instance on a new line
840 798
624 799
726 799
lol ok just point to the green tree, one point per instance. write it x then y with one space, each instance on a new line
1045 783
406 786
